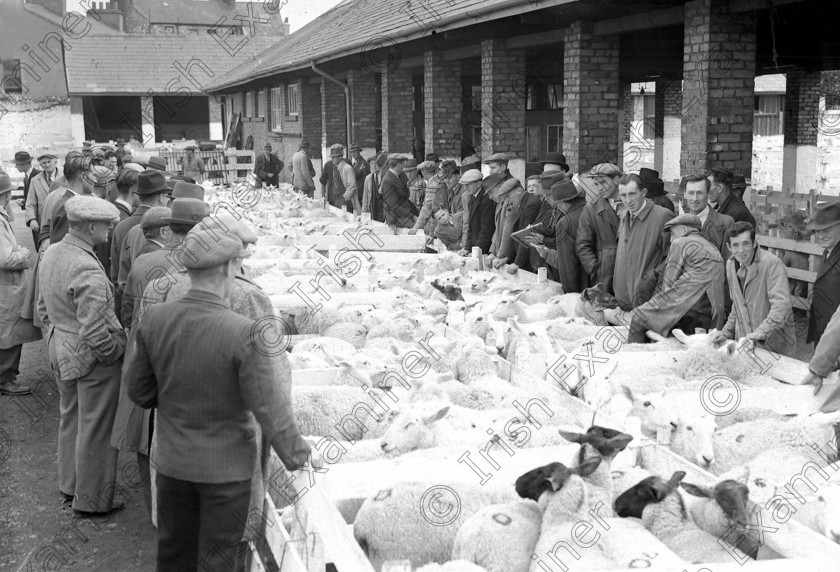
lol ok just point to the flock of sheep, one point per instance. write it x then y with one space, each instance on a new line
423 368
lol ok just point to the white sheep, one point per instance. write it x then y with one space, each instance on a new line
514 341
331 350
418 521
821 511
355 334
528 293
307 360
624 478
473 359
507 308
316 322
319 409
500 538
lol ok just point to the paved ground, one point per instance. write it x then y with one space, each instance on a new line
36 531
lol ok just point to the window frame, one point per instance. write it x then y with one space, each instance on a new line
559 143
276 107
293 93
14 72
246 104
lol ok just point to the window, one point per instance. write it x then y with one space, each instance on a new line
649 116
532 143
247 110
11 82
542 96
277 109
555 138
258 111
769 115
476 97
832 102
292 99
169 29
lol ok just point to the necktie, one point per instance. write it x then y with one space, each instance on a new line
48 178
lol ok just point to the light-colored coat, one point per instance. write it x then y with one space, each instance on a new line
301 173
77 300
14 277
763 306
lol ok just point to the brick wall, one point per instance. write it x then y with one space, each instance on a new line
283 144
442 105
802 106
591 91
718 91
397 109
502 99
364 88
310 116
333 114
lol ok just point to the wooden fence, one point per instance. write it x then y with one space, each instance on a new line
221 166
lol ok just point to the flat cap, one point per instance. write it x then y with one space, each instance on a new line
22 157
120 141
604 170
225 222
155 217
497 158
381 159
433 157
46 156
133 167
5 183
470 176
686 219
564 190
470 160
429 166
336 149
305 145
411 163
398 157
549 178
204 249
90 208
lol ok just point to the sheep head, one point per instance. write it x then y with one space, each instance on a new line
693 437
633 501
608 442
730 495
550 477
412 430
599 298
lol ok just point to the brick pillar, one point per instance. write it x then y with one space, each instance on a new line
503 103
442 105
666 155
802 113
214 107
718 88
310 115
591 90
625 123
363 91
333 116
77 120
147 116
397 109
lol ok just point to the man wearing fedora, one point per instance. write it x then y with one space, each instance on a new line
656 189
362 169
372 199
192 165
690 293
597 235
267 168
727 202
826 293
121 152
715 225
23 164
86 347
506 193
555 162
39 189
339 181
519 256
303 171
542 219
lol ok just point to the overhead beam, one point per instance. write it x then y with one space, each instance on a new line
639 22
736 6
540 39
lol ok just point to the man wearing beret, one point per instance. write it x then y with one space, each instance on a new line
303 171
400 212
197 362
826 293
693 271
372 198
267 168
39 188
339 180
597 234
85 346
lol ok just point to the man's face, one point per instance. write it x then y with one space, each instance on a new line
828 237
714 190
411 173
112 163
696 196
190 153
267 151
474 187
742 247
355 154
678 231
496 168
533 186
336 159
23 167
100 231
47 165
632 197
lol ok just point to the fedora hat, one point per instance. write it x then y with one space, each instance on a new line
497 158
186 210
564 190
411 163
184 190
555 159
158 163
120 141
171 181
305 145
654 185
337 150
549 178
5 183
827 215
22 158
433 157
150 182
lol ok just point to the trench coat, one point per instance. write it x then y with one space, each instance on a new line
763 306
506 195
826 295
14 277
596 242
693 268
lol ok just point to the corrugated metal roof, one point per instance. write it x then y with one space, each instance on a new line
137 63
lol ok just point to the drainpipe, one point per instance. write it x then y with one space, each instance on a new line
346 87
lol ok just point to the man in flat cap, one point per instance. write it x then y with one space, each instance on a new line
542 219
690 294
121 152
481 216
400 212
435 194
303 172
267 168
449 221
826 293
197 362
193 165
86 346
597 234
372 198
470 162
39 188
529 207
758 286
506 192
361 168
338 180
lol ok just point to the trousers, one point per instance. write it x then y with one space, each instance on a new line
87 463
200 525
9 363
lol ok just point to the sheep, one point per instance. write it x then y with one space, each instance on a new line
745 441
451 292
624 478
332 350
310 322
404 329
664 515
404 521
500 538
532 293
307 360
474 359
821 512
356 334
593 384
512 340
319 409
453 566
507 308
589 304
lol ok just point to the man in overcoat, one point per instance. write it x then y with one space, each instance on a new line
400 212
721 193
36 199
361 168
826 293
338 180
482 224
597 235
303 171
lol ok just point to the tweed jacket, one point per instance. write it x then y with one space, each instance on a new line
596 242
14 278
195 360
506 195
302 171
77 300
146 268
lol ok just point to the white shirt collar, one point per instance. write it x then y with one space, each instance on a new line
703 215
122 202
638 212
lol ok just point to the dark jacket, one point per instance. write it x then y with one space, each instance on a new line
735 207
596 242
399 210
362 170
528 210
562 257
664 201
262 167
194 361
826 296
482 217
716 230
27 180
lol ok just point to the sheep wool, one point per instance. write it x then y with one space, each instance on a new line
501 538
355 334
318 409
401 522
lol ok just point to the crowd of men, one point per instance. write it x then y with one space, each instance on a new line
140 292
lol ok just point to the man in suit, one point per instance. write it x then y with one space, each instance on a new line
303 171
716 225
400 212
126 186
339 181
720 193
656 189
23 164
85 349
372 200
267 168
597 235
362 169
482 221
826 297
36 199
196 362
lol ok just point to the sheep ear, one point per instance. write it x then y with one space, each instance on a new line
676 479
680 335
572 436
697 491
588 467
651 335
437 416
628 393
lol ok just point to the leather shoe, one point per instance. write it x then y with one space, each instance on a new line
85 514
12 388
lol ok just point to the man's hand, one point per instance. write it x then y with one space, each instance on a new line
541 250
719 338
317 460
462 252
512 268
813 379
33 224
536 238
412 231
499 262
